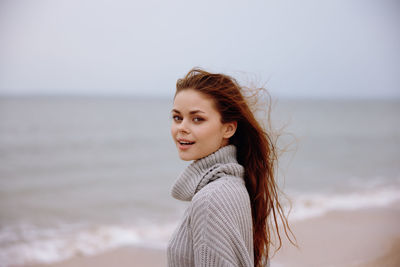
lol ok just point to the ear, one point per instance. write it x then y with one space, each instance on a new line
230 129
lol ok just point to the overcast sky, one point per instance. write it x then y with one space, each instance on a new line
301 48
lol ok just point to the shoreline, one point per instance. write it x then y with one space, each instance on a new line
360 238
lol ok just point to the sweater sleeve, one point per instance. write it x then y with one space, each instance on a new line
221 226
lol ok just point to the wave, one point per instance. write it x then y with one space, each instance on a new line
305 206
31 244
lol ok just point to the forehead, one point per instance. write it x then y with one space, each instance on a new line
190 99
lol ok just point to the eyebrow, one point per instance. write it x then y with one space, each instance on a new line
191 112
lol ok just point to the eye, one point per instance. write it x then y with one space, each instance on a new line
176 118
198 119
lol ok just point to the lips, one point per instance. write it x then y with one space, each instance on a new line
184 143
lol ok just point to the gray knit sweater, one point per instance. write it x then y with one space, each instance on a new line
216 229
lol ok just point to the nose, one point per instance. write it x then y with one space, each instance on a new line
183 126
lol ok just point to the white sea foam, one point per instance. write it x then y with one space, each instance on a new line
305 206
27 244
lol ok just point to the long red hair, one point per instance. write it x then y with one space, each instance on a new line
256 151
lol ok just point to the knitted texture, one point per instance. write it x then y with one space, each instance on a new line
216 229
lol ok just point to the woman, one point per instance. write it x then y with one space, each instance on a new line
230 182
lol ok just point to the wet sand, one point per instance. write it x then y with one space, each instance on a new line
126 256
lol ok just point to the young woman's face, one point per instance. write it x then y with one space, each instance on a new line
196 125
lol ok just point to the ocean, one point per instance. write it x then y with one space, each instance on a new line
83 175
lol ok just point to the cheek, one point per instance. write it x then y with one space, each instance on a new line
211 132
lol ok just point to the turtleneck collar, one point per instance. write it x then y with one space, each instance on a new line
200 172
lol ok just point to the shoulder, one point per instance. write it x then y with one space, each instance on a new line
227 194
228 186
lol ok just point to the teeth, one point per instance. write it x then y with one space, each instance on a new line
185 143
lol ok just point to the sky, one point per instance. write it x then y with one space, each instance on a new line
299 48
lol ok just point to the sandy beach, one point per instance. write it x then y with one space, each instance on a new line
361 238
368 237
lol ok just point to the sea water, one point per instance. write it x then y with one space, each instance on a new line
82 175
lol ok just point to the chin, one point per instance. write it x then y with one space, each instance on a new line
186 157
